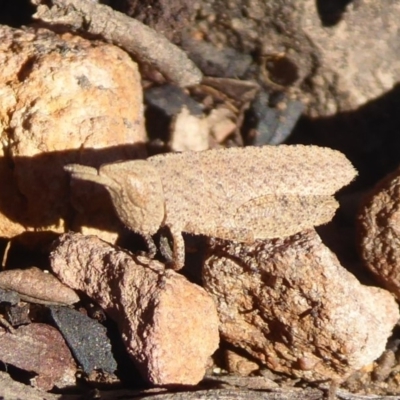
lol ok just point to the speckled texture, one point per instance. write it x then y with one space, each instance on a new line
64 99
39 349
379 232
169 325
241 194
292 306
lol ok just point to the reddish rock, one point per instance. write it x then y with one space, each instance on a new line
41 349
169 325
291 305
379 232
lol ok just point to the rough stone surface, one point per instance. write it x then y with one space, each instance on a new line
64 99
343 57
36 286
20 314
10 389
169 326
9 297
41 349
193 133
358 67
291 305
238 364
216 61
379 232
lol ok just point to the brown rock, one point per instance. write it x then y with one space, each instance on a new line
239 365
64 99
315 43
169 326
10 389
41 349
36 286
357 67
290 304
379 232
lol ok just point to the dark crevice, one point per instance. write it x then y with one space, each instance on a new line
16 13
331 12
26 69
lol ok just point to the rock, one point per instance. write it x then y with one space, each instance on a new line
64 99
216 61
171 99
292 306
193 133
20 314
379 232
357 66
221 122
169 325
10 389
238 364
36 286
41 349
273 123
189 132
8 296
339 66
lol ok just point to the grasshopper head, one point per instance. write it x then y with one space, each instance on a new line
135 189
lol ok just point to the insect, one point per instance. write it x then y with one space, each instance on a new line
240 194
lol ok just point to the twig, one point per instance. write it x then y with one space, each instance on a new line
145 44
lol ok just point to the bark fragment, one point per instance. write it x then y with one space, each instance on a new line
36 286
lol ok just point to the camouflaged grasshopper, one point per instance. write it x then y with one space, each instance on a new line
240 194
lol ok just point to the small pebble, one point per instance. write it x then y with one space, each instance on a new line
171 99
9 296
214 61
273 124
19 314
